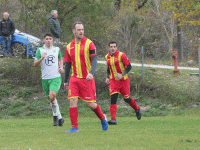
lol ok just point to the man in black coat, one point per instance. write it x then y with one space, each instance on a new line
7 29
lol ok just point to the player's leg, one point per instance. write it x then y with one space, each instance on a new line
113 109
54 88
97 110
73 111
88 94
125 91
73 94
114 90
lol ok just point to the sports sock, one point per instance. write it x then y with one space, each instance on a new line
113 110
74 116
98 112
55 108
134 105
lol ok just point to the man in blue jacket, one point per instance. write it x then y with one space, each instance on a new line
7 29
54 26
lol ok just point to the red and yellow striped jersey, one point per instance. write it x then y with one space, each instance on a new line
79 55
117 64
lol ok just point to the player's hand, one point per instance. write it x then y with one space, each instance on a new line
119 76
66 85
89 77
61 70
107 80
44 55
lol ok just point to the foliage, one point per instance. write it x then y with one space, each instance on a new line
94 14
187 11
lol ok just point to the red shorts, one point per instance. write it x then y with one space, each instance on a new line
82 89
121 86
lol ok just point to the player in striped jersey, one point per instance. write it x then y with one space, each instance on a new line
81 55
117 78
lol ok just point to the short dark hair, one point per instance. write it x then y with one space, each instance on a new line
47 34
76 24
113 42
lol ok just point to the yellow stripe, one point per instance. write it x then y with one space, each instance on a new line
68 48
87 57
114 93
112 63
78 60
106 57
121 65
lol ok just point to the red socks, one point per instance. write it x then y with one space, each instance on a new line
74 116
113 110
134 105
98 112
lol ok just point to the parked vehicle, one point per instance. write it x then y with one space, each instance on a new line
22 44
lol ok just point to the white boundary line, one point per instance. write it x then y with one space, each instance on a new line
156 66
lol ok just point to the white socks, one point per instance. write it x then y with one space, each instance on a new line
55 109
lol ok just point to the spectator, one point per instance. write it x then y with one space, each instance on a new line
54 26
7 29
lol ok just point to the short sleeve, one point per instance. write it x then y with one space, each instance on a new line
92 49
67 57
59 54
125 60
38 54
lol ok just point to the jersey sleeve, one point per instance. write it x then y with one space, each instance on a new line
67 57
59 54
92 49
38 54
125 60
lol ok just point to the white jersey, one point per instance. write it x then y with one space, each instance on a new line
49 65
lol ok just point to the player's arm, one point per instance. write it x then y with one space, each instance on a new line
93 57
128 68
94 64
107 76
60 61
37 62
67 71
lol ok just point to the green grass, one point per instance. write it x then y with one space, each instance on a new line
171 132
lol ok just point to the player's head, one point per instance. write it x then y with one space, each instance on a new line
54 13
78 30
48 40
112 47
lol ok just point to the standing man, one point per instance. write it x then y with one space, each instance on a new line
81 54
54 26
118 80
7 29
50 59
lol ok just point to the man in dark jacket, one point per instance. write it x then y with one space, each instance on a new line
7 29
54 26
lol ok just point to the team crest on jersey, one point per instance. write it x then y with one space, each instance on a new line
49 60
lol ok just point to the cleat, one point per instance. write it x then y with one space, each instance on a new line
55 120
72 130
60 122
138 114
112 122
104 123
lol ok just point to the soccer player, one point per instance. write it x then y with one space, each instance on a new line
50 59
81 55
118 80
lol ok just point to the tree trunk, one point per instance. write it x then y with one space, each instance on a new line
179 43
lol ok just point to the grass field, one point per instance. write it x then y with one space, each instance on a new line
150 133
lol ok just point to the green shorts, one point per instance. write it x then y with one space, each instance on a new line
51 85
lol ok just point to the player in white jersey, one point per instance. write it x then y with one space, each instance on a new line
51 62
